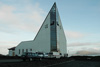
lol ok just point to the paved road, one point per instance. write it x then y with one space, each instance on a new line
46 63
10 60
76 64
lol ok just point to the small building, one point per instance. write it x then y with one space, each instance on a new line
12 51
50 37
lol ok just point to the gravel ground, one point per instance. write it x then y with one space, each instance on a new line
78 63
53 63
36 63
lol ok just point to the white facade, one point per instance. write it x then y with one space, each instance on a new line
42 41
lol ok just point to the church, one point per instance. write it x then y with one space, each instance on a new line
50 37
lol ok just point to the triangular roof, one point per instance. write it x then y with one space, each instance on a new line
51 30
54 5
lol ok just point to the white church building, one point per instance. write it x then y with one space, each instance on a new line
50 37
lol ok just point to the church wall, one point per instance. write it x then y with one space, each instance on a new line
61 37
25 46
42 39
41 43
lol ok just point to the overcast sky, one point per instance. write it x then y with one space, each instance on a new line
20 20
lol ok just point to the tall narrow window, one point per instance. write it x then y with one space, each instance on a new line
30 49
19 51
53 29
22 51
26 50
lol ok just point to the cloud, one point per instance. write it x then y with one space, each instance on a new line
8 42
83 52
29 18
94 50
86 48
6 13
74 35
83 44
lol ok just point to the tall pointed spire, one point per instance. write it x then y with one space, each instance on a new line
52 31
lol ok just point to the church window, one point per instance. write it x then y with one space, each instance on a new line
22 50
30 49
19 51
26 50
